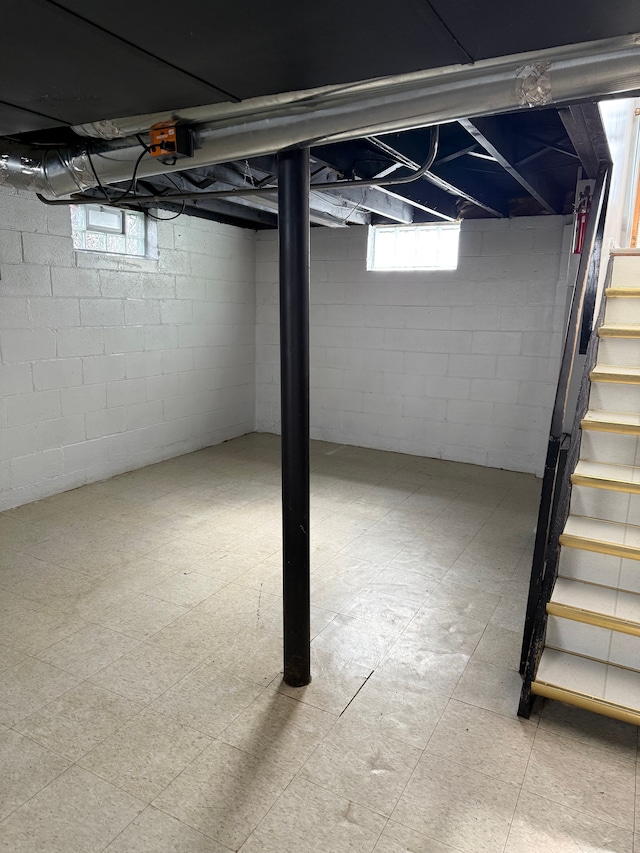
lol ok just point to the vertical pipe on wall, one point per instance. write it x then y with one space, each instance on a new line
293 234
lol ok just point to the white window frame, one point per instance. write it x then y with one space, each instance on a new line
442 253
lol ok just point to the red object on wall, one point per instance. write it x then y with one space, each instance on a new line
582 217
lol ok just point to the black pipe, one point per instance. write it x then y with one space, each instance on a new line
293 233
252 191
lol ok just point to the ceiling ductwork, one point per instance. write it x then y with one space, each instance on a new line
265 125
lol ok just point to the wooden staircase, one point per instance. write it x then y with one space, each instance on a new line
591 655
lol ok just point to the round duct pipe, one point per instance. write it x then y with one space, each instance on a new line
261 126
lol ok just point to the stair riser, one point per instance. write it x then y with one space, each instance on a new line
594 642
619 351
605 569
606 504
610 447
623 311
626 271
614 397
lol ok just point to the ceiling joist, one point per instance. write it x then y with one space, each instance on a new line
490 133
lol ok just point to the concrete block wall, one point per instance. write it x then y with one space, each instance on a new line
459 365
107 363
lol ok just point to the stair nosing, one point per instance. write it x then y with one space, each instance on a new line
619 330
586 701
592 617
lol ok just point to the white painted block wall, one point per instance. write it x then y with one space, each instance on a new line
459 365
108 364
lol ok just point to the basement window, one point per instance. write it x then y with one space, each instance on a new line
108 230
429 246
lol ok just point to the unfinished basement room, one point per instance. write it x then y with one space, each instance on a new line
319 427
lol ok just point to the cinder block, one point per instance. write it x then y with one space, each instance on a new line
447 387
47 250
521 417
146 414
25 280
24 214
86 455
473 366
102 312
60 432
174 261
475 318
86 398
36 467
411 385
427 408
526 318
161 337
105 422
508 243
81 341
138 312
190 287
126 392
497 343
17 441
522 367
158 286
161 387
121 285
176 311
13 313
71 281
540 394
549 240
25 345
10 247
179 360
123 339
470 411
15 379
57 373
59 221
53 313
143 364
432 340
103 368
495 390
426 364
31 408
431 318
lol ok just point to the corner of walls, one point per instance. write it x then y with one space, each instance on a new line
110 363
460 365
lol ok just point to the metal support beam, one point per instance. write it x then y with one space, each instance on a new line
489 133
431 177
293 231
584 127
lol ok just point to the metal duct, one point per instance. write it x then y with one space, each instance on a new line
266 125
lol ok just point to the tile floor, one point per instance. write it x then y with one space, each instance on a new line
141 703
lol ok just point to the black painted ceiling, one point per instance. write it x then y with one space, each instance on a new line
75 61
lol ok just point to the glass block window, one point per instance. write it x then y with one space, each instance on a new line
108 230
413 247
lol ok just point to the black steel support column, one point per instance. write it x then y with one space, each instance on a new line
293 231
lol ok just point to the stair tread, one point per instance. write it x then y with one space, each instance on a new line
613 292
611 421
624 372
615 603
620 330
606 682
607 472
600 530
